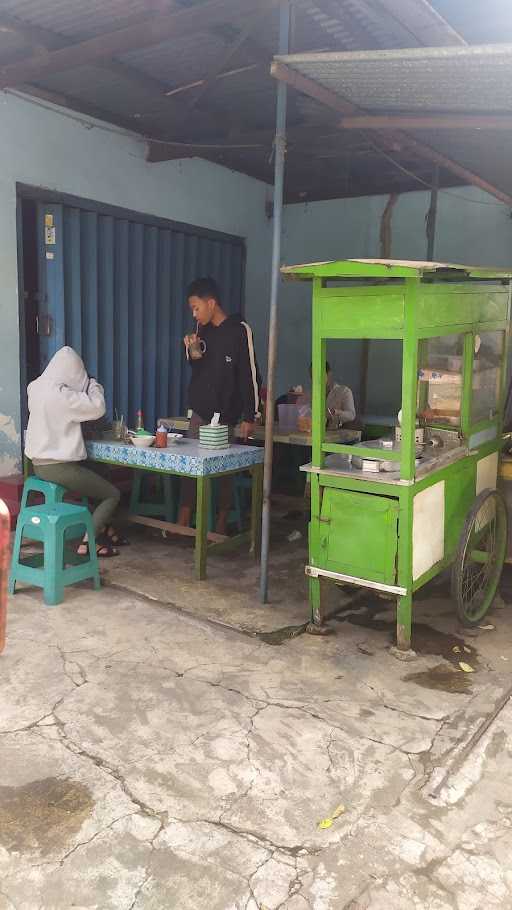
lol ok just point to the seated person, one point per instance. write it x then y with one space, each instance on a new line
340 408
339 402
59 402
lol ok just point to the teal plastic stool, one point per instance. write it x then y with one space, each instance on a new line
243 486
53 493
165 507
212 510
51 524
236 515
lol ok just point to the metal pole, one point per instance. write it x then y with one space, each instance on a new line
279 157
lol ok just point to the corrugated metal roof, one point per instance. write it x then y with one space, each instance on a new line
342 21
130 90
178 62
454 79
88 84
440 80
75 18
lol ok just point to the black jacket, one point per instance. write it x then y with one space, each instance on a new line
226 379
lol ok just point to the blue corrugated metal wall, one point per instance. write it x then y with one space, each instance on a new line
115 291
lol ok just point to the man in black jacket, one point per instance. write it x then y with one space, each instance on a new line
225 379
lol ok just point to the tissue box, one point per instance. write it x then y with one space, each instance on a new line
214 437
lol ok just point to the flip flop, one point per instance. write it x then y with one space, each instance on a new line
104 549
116 538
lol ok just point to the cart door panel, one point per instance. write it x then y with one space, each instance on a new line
459 497
358 535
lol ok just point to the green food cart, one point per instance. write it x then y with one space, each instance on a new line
391 513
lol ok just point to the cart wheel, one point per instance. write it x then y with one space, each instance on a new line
477 567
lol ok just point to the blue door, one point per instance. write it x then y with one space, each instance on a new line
114 287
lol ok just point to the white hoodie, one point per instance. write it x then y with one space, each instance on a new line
60 400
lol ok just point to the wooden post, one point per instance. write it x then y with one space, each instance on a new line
432 215
386 236
363 376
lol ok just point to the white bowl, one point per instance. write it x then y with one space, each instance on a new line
143 442
174 437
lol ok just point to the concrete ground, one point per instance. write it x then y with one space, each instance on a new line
164 570
151 758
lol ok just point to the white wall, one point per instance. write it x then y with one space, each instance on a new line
472 227
48 148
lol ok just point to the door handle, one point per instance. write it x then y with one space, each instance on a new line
44 325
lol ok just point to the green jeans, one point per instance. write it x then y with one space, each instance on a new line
77 478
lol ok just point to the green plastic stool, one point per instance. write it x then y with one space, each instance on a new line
50 524
164 507
53 493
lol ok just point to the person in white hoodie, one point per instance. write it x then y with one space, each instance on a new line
59 401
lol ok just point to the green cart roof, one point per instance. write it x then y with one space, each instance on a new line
389 268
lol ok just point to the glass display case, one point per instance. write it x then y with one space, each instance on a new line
487 361
440 373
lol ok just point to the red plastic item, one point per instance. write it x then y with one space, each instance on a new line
11 489
5 523
161 438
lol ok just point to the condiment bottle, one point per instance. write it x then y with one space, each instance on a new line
161 438
139 423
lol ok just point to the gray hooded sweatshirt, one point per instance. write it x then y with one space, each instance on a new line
59 401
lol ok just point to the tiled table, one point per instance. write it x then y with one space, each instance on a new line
189 459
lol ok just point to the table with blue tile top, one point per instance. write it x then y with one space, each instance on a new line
189 459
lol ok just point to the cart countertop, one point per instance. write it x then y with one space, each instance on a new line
389 268
427 464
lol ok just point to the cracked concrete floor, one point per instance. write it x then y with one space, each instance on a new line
150 760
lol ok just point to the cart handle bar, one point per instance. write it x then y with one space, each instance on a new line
313 572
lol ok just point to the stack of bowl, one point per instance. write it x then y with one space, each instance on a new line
142 439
